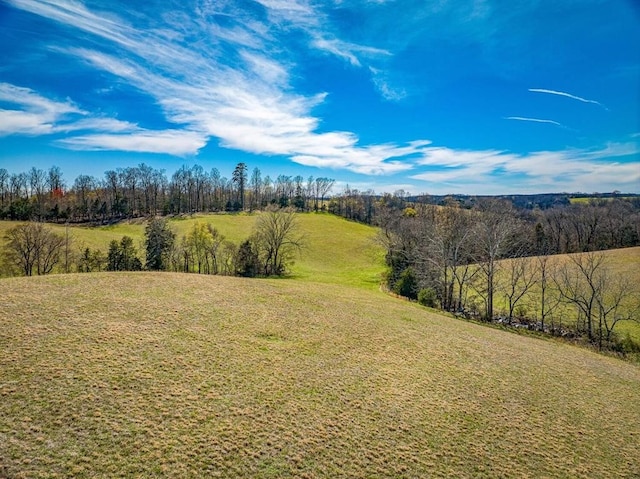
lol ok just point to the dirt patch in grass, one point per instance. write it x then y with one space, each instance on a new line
169 375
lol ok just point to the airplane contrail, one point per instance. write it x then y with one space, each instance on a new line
537 120
568 95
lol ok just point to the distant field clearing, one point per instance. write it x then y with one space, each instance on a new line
621 263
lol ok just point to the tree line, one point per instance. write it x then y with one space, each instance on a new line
598 224
488 262
34 248
39 195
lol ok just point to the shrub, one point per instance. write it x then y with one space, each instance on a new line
407 284
246 261
628 346
397 263
409 212
427 297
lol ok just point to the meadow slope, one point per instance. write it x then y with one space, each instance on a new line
170 375
336 250
623 262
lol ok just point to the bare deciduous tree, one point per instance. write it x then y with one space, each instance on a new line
549 301
601 299
277 240
579 284
494 235
619 302
33 248
520 276
323 186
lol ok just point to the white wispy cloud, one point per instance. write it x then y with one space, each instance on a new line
376 159
307 17
14 122
535 120
347 51
374 186
490 171
266 69
568 95
298 13
96 124
41 116
383 85
241 97
31 113
174 142
76 14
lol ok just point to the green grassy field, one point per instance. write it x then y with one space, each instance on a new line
337 251
316 375
588 199
170 375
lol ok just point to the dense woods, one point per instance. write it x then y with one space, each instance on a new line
597 224
555 225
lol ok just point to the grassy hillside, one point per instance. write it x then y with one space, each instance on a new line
624 262
337 250
151 374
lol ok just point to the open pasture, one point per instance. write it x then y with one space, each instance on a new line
336 250
173 375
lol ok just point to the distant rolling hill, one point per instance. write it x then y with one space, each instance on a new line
175 375
335 251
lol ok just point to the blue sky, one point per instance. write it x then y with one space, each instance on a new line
429 96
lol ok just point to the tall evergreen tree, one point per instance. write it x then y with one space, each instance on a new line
246 261
240 179
123 256
113 256
159 241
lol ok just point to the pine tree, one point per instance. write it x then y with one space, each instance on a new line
240 179
246 263
159 240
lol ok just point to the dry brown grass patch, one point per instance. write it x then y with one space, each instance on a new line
168 375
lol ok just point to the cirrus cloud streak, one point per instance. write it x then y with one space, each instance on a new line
227 88
535 120
488 171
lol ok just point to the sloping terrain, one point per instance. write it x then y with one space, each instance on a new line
170 375
336 250
623 263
